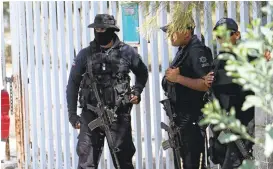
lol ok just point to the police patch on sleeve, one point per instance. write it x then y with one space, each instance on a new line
204 61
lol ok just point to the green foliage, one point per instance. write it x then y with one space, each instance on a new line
222 120
181 14
255 75
228 137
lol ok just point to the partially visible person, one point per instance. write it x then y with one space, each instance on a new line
229 95
267 55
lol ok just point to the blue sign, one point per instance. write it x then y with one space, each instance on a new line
130 23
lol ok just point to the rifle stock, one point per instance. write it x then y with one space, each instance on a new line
241 146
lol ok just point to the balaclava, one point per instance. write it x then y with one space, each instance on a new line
104 38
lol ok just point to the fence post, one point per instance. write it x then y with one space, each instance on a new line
256 9
269 15
156 93
208 25
94 11
63 81
196 17
219 14
113 8
40 85
70 53
146 100
244 15
256 12
232 10
32 86
85 23
77 24
136 118
24 83
55 84
47 84
19 130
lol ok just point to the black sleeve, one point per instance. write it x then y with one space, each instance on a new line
72 89
201 60
138 68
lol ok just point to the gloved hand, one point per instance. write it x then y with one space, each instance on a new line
135 96
74 119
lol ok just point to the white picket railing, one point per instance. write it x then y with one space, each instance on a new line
45 38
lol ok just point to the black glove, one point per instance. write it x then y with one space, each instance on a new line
136 92
74 119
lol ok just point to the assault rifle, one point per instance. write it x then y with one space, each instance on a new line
106 116
241 146
173 130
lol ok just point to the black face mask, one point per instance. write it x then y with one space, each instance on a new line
104 38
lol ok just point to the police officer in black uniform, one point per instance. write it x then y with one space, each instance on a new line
187 92
229 95
112 60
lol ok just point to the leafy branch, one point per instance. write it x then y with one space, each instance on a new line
256 75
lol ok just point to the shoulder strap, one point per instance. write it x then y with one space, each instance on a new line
89 65
179 61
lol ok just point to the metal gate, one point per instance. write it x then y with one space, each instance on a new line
45 38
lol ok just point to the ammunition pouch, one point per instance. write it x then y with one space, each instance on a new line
111 91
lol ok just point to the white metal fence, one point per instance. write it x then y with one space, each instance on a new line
45 36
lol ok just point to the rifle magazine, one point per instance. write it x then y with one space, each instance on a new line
92 108
166 144
95 123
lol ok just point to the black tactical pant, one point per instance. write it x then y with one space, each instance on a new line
192 148
90 143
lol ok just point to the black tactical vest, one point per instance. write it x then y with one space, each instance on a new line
223 87
110 73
